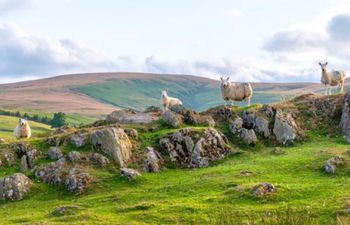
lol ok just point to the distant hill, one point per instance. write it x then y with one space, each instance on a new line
98 94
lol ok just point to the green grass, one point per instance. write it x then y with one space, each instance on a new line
139 94
214 195
8 124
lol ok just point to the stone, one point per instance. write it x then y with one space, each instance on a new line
248 136
129 173
171 119
74 156
129 117
262 127
56 140
22 149
78 139
153 109
77 181
177 109
15 187
331 164
23 166
263 189
113 142
284 128
52 173
248 119
65 210
131 132
235 125
99 160
54 153
154 161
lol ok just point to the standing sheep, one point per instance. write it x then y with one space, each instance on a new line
231 91
168 101
333 78
22 129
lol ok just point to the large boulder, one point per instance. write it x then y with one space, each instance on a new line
172 119
22 149
129 117
154 161
52 173
248 136
285 128
114 142
189 148
14 187
262 127
77 181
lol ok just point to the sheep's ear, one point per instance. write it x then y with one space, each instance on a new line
227 78
326 64
221 78
319 64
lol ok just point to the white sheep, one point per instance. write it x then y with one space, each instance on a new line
168 101
333 78
231 91
22 129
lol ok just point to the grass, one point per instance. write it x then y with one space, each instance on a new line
8 124
214 195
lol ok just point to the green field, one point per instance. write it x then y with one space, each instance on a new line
8 124
139 94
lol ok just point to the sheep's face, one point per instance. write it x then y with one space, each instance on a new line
224 82
22 122
323 66
164 93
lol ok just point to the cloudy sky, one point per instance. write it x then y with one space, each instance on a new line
250 40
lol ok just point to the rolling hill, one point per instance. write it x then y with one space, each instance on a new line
97 94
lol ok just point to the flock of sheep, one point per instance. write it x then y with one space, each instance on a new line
230 91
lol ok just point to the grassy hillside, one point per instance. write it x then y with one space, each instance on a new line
139 94
8 124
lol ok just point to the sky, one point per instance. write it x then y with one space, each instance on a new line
248 40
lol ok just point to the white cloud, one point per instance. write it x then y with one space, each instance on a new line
11 5
235 12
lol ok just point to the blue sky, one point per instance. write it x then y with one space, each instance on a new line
250 40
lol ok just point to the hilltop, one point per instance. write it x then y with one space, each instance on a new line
96 95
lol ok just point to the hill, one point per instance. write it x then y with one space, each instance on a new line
95 95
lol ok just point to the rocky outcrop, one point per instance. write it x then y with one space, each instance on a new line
248 136
263 189
77 181
248 119
98 160
262 127
188 148
74 156
22 149
129 117
235 125
54 153
285 128
79 139
14 187
129 173
332 164
154 161
172 119
113 142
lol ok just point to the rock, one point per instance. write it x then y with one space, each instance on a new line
9 159
77 181
188 148
14 187
65 210
331 164
128 117
171 119
154 161
78 139
236 125
23 167
153 109
262 189
52 173
345 118
284 128
113 142
262 127
248 119
21 149
131 132
99 160
74 156
129 173
56 140
248 136
177 109
54 153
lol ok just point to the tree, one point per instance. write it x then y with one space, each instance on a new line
58 120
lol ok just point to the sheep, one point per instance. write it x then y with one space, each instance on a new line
167 101
22 129
333 78
231 91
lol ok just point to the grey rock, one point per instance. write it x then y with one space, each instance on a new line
14 187
248 119
154 161
331 164
284 128
114 142
171 119
248 136
131 132
54 153
23 164
79 139
74 156
65 210
52 173
129 117
263 189
262 127
129 173
236 125
77 181
99 160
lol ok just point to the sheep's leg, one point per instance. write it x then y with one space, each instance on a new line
248 101
342 87
231 103
326 93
